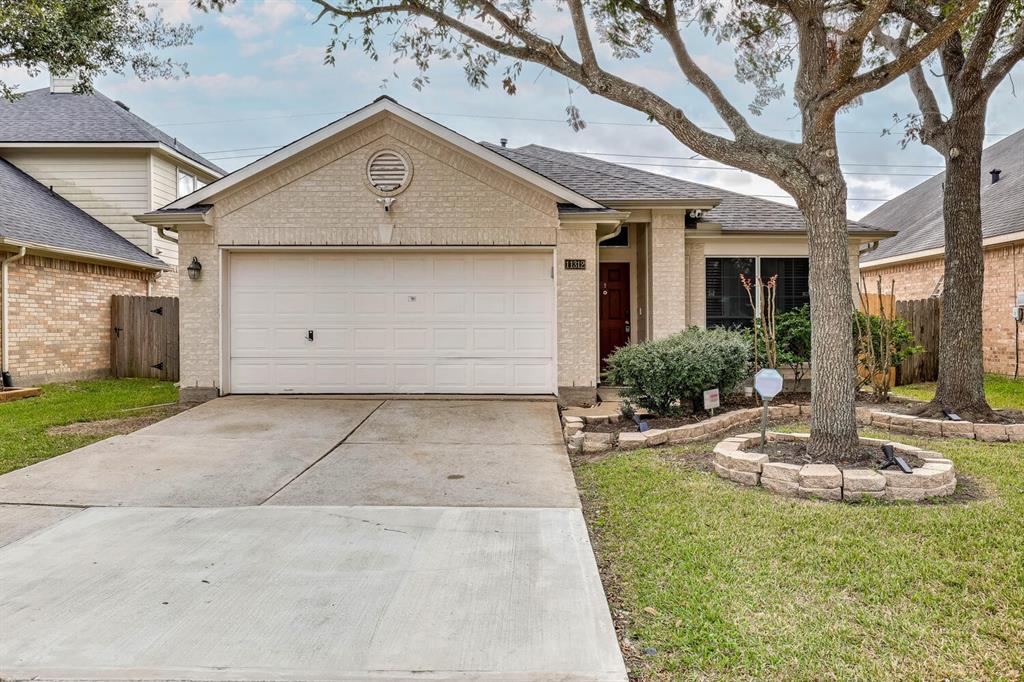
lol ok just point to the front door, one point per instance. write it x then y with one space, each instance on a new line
614 308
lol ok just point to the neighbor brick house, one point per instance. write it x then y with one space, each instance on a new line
74 169
385 253
914 259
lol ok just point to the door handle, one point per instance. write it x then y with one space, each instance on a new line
309 335
627 326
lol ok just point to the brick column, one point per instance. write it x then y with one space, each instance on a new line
577 313
696 284
668 273
199 315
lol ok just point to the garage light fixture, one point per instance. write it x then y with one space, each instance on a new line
195 268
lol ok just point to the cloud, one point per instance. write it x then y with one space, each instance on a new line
302 56
715 67
222 84
264 17
174 11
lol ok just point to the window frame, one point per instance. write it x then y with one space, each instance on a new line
196 184
757 274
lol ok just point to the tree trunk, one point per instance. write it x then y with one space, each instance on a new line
833 420
961 386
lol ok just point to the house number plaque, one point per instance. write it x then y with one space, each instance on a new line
575 264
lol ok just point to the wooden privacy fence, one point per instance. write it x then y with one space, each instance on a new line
924 317
144 337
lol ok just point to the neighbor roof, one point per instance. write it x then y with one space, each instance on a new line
31 215
44 116
611 182
917 213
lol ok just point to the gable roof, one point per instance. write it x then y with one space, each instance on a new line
378 106
612 182
49 117
30 215
917 213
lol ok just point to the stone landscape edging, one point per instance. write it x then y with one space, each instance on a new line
945 428
733 460
591 442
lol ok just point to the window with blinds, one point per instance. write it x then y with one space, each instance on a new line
727 303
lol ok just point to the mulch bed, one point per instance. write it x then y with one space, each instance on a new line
862 457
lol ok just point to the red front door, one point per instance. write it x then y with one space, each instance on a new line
614 283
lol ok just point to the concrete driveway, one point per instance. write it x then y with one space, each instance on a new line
307 538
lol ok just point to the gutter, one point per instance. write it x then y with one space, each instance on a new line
84 255
5 328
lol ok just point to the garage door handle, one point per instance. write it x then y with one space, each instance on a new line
309 335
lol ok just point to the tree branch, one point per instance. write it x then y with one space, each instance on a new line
851 53
931 113
985 37
668 27
579 25
915 54
1002 66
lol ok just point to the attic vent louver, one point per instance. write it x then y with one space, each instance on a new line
388 171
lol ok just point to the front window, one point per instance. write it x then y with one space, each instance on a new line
727 302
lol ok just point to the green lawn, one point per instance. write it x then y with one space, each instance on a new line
725 582
1003 393
23 423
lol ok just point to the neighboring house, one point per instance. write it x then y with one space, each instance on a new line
914 258
385 253
74 169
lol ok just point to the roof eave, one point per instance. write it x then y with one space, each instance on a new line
89 256
679 203
596 216
178 156
380 106
171 219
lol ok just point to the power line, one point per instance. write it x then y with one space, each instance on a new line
527 119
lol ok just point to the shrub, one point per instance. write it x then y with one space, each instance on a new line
660 376
793 341
881 343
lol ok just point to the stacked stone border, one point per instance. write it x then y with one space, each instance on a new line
579 440
736 459
918 426
590 442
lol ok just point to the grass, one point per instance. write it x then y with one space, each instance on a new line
1003 393
24 423
725 582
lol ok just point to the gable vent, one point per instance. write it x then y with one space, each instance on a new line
388 171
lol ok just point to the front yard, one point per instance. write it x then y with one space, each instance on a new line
30 429
1003 393
710 580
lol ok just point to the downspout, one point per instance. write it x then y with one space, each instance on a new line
5 329
162 232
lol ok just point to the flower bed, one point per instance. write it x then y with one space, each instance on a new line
737 459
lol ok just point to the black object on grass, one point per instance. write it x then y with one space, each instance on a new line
892 460
640 424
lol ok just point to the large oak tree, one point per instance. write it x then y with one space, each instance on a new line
823 44
86 38
973 61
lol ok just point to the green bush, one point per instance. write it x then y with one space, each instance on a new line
660 376
902 343
793 341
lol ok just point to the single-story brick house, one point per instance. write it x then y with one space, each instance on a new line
385 253
915 258
74 170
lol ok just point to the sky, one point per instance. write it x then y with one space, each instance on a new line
257 81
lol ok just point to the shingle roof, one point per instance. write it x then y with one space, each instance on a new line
917 213
30 213
611 182
43 116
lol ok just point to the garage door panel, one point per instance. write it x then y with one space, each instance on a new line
414 322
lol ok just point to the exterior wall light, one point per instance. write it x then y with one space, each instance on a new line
195 268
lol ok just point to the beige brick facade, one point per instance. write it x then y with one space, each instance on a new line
1004 279
668 273
696 286
60 317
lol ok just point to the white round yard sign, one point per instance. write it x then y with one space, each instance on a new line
768 383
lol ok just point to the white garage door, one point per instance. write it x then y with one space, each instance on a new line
373 322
